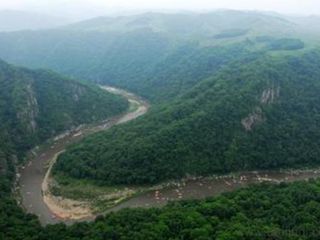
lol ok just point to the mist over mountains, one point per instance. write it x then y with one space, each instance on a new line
12 20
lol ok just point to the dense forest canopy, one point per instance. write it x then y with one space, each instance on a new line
256 114
37 105
231 91
155 55
34 106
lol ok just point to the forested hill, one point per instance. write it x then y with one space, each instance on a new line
155 55
254 115
36 105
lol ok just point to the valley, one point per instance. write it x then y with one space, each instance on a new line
160 125
36 182
34 178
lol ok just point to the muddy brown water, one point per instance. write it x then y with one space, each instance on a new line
30 177
202 188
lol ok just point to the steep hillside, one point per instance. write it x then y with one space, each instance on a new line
113 58
254 115
36 105
170 51
238 102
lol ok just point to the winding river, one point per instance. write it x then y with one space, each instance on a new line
31 176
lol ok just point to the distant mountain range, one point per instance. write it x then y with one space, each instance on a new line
153 54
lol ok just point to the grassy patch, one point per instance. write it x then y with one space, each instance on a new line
133 106
100 197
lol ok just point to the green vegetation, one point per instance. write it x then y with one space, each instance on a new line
155 67
97 195
233 93
231 33
256 114
157 56
287 212
186 67
286 44
274 44
36 105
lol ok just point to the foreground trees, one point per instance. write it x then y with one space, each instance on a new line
287 212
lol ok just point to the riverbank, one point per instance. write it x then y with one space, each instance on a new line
36 197
192 188
60 207
204 187
39 196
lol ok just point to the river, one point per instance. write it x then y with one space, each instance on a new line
201 188
32 175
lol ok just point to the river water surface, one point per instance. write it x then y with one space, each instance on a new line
32 175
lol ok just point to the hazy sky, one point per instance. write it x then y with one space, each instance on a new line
87 8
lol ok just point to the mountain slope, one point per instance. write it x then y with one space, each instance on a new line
170 51
195 25
256 115
36 105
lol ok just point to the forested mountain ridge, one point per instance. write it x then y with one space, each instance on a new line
237 91
197 25
37 104
170 51
253 115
